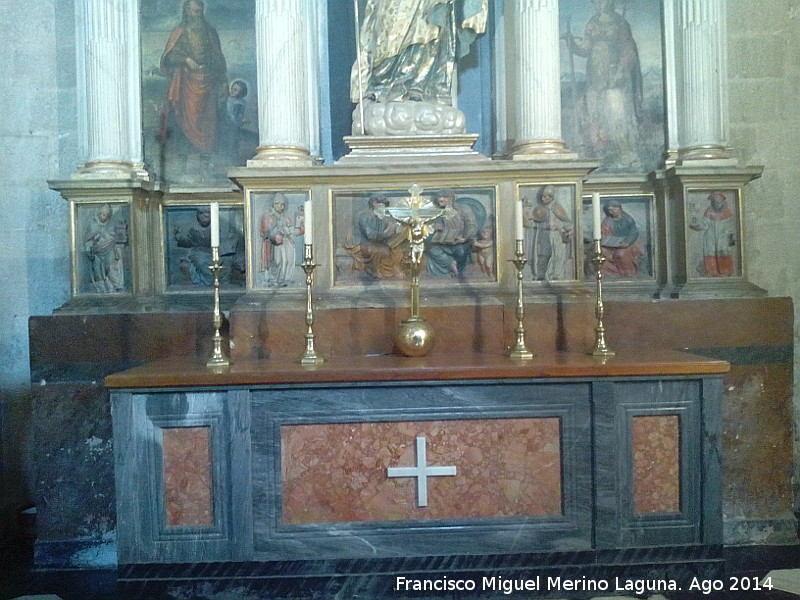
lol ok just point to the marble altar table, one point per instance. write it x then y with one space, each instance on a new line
361 470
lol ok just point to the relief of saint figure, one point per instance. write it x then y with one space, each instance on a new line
378 245
104 243
449 247
196 240
548 236
620 243
378 237
278 246
718 228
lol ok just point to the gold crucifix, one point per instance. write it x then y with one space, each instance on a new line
415 336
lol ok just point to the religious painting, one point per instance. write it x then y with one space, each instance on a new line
187 247
627 229
277 228
371 247
548 221
199 96
102 255
612 82
713 234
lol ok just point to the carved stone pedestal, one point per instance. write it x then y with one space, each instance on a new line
411 148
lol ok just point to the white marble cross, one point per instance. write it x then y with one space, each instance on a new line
422 471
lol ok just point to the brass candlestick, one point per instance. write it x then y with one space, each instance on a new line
310 356
520 350
600 347
218 359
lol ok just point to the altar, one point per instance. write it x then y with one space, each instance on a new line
370 466
362 470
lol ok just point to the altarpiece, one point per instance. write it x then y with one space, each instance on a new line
280 95
539 122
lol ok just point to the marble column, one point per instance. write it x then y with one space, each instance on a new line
671 58
109 88
284 79
538 78
700 117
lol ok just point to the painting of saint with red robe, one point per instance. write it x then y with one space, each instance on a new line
199 111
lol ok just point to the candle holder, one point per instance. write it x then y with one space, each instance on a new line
218 359
310 356
520 350
600 348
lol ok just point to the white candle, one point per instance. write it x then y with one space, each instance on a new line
519 227
215 224
596 216
308 220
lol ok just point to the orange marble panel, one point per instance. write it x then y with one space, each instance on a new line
656 464
188 492
338 472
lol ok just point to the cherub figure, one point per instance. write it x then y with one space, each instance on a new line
483 247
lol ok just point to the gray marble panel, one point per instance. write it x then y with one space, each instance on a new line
692 402
142 531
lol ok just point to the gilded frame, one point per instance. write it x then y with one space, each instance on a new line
713 236
101 256
550 223
185 257
360 260
626 260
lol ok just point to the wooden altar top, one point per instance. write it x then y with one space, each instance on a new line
188 372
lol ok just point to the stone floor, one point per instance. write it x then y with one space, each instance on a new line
19 581
234 596
54 597
101 585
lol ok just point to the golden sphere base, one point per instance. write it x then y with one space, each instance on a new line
414 337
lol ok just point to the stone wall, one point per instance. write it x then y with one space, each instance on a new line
37 141
764 72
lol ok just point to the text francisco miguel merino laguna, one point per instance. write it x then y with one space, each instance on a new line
533 584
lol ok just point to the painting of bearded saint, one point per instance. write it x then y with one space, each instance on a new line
197 71
199 111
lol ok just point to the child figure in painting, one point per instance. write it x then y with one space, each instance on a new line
235 104
484 251
235 109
